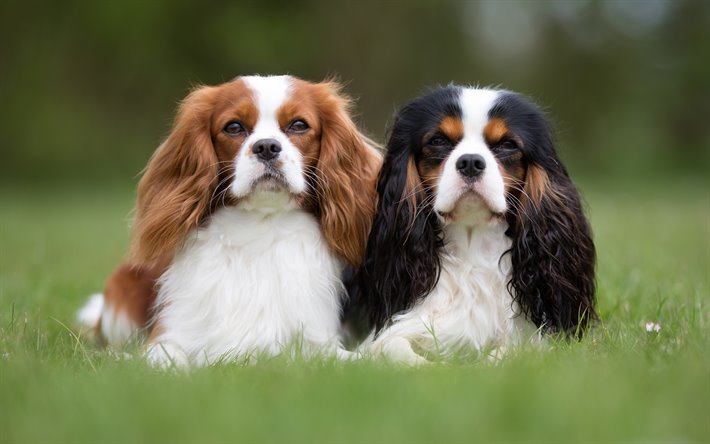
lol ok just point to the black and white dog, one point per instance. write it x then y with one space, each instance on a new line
479 240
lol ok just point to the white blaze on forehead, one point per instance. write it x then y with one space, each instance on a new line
270 93
475 105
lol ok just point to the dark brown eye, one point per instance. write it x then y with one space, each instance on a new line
439 141
298 126
507 145
234 128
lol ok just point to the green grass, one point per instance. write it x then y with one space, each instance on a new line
620 383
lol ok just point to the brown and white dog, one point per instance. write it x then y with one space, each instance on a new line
247 215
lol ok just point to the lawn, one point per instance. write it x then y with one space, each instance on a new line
620 383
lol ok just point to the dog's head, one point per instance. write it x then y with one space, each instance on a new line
231 144
473 156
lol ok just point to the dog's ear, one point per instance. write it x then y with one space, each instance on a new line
175 191
347 171
552 254
402 261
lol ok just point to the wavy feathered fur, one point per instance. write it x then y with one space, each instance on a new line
189 177
175 192
552 252
347 170
402 260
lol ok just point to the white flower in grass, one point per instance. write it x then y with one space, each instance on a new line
652 326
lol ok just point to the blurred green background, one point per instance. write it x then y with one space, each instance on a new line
88 89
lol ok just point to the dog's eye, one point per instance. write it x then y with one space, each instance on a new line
438 141
507 145
298 126
234 128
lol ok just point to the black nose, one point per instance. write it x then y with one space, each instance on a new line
471 165
266 149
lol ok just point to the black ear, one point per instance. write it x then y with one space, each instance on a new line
401 263
552 254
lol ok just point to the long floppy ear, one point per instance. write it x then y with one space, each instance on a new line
552 255
175 191
402 261
347 171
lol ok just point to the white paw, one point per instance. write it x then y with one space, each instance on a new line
399 350
167 356
345 355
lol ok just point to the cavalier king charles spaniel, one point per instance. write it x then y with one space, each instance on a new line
247 214
479 241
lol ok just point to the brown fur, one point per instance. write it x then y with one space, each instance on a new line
131 291
175 191
413 188
537 184
452 127
429 173
347 170
181 180
513 172
495 130
424 175
185 177
511 167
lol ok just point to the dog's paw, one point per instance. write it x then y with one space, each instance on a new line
167 356
400 351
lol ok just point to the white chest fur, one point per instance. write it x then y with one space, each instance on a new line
470 308
250 283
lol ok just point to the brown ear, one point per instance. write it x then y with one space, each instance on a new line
347 171
175 191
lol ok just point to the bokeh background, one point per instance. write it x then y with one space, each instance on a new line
88 89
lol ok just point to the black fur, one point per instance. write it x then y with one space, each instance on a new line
552 252
402 261
552 255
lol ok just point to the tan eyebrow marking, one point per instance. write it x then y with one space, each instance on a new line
452 127
495 130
